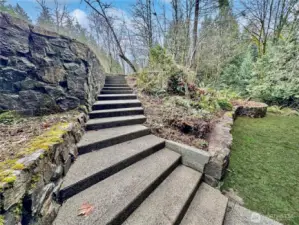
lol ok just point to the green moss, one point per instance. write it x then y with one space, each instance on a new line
48 139
18 166
18 210
45 141
264 166
2 220
34 180
9 117
10 179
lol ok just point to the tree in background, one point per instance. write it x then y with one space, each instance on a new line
21 13
45 18
101 9
4 7
60 15
267 20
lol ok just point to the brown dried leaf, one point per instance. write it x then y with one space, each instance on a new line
85 209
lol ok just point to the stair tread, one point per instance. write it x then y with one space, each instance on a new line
116 110
115 95
111 102
101 135
207 208
117 88
96 161
109 91
115 194
165 205
114 119
238 215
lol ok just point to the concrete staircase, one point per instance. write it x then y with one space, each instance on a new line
132 177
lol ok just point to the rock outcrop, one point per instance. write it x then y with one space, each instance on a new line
44 72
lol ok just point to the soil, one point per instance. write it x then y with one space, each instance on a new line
16 133
172 121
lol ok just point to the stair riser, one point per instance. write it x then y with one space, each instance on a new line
115 124
122 216
115 79
187 204
116 85
113 114
116 106
116 92
115 82
112 141
116 97
70 191
117 89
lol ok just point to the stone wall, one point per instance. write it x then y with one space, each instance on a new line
220 139
44 72
29 198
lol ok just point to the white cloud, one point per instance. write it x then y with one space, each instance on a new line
81 17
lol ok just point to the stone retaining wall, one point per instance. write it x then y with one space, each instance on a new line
220 141
29 199
44 72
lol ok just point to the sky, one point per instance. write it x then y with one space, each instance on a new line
78 8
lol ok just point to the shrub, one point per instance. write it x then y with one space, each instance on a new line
224 104
276 75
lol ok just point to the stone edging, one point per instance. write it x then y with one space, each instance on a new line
220 141
214 162
192 157
29 197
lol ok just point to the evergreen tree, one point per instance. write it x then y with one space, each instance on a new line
21 13
45 18
6 8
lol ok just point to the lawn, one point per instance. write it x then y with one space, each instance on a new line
264 167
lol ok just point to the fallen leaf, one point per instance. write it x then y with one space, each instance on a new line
46 125
85 209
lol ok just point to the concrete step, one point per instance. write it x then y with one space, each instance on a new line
115 82
95 140
102 123
207 208
116 85
116 112
117 97
168 203
116 197
116 88
95 166
116 104
116 91
115 78
238 215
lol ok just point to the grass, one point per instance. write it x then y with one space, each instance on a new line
264 167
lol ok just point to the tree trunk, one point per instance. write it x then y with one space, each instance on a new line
194 43
103 14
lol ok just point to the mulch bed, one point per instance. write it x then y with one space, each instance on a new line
172 122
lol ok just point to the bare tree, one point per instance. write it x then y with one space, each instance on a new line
142 20
45 17
60 14
101 8
267 18
195 27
